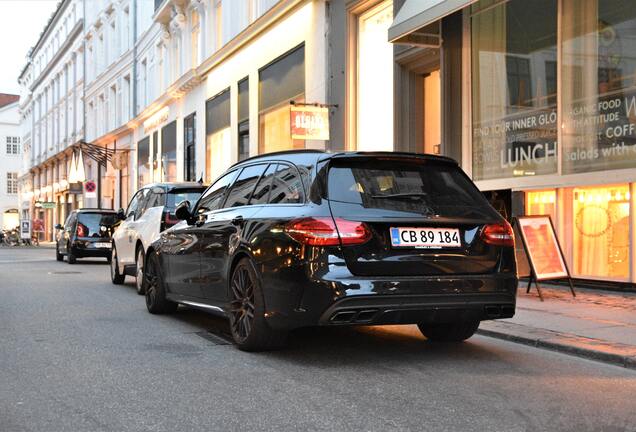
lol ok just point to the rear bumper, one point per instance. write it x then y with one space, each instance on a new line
332 296
417 309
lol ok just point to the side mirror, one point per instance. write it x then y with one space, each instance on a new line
59 227
183 212
120 214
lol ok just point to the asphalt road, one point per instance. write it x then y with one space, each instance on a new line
80 354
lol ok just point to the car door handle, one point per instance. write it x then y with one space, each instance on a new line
238 220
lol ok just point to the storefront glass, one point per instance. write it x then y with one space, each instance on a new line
218 138
601 236
514 52
169 152
143 165
598 72
375 79
541 203
280 83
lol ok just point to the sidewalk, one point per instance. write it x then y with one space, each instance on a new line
596 324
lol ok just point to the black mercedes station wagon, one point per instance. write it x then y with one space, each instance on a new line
305 238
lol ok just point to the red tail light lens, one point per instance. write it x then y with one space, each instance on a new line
168 220
82 231
500 234
325 231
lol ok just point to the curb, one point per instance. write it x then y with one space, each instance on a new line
558 342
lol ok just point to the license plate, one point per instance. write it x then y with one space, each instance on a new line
434 238
102 245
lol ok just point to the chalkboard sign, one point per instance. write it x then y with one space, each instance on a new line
543 250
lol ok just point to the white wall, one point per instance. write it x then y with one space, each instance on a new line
9 162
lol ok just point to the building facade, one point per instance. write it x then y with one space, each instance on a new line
10 160
534 99
52 118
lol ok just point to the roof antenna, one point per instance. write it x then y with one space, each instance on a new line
200 181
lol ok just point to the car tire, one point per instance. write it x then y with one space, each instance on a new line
155 292
139 273
58 255
70 256
115 277
449 332
248 326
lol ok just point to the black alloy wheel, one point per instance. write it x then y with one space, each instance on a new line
116 277
248 326
70 256
155 293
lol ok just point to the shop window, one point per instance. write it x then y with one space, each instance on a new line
375 80
143 164
189 131
601 232
155 156
514 125
243 119
598 81
541 203
218 138
169 152
280 83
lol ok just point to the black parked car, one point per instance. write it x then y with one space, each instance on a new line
309 238
86 233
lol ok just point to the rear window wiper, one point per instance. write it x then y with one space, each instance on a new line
402 195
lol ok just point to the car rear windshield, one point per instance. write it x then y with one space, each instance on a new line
177 196
90 224
400 184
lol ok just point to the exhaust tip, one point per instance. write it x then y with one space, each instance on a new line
342 317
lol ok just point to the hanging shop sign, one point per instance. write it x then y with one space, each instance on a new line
45 204
543 251
90 189
309 122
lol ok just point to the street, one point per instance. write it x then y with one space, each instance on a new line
81 354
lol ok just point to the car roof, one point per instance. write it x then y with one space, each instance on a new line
300 156
94 210
174 185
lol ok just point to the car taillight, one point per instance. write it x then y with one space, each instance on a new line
500 234
325 231
82 231
168 220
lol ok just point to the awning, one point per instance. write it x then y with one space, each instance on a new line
416 14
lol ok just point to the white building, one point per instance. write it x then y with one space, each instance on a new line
10 160
52 115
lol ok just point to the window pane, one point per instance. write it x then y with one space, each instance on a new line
514 92
218 139
598 85
143 166
261 193
287 186
243 186
541 203
275 131
169 152
601 231
215 193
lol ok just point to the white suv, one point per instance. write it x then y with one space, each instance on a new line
151 210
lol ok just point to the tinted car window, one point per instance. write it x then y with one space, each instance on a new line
177 196
90 224
69 221
261 192
405 185
287 186
143 201
242 188
213 197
